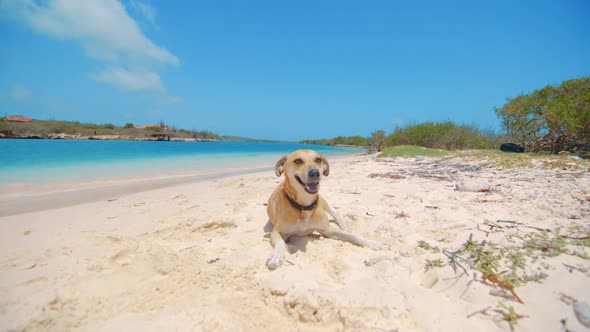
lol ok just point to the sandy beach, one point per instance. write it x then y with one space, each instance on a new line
191 257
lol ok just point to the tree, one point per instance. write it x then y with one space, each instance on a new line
550 119
376 141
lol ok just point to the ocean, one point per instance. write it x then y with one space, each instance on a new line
25 162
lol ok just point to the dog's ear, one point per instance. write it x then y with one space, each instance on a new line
326 170
280 166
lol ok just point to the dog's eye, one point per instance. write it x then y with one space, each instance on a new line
298 161
318 160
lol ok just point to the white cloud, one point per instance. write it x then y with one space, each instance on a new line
19 93
129 80
101 26
145 9
106 32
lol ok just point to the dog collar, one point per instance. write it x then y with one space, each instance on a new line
299 206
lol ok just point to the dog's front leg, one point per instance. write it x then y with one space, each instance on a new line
277 257
354 239
338 220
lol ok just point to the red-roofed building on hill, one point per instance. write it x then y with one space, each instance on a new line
17 119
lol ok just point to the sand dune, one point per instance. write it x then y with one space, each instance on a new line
192 256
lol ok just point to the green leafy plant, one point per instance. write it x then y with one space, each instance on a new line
436 263
507 266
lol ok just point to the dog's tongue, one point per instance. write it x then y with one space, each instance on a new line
312 187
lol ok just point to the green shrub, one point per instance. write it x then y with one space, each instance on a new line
444 135
411 151
551 119
340 140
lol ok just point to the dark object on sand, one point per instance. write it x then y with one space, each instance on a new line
512 147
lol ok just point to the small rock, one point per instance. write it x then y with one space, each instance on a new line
375 260
582 311
279 291
473 186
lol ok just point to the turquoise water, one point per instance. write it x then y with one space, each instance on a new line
56 161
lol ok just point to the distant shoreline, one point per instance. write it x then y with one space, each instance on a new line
110 138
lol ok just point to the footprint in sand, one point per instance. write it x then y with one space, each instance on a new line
427 279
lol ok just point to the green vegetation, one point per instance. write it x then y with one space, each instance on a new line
508 265
491 158
509 315
377 141
435 263
445 135
499 159
426 246
551 119
44 129
412 151
340 140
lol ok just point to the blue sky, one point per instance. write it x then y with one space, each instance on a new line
284 70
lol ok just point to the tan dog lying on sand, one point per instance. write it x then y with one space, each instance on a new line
296 208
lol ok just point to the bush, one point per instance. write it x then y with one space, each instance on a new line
340 140
551 119
128 125
412 151
376 141
205 135
445 135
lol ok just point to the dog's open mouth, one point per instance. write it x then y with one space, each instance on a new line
310 187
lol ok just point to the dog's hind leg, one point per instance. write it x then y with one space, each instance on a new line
268 227
354 239
277 257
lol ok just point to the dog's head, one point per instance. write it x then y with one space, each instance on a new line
304 167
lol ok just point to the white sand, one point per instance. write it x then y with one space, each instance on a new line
192 256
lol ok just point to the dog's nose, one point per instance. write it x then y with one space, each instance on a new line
313 173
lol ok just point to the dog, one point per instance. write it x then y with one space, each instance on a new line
296 208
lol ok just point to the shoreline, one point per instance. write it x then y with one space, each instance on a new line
33 197
18 203
67 137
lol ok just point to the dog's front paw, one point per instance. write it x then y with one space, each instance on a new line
376 245
275 260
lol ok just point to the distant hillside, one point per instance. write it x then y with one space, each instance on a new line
77 130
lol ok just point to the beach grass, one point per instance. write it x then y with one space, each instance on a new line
490 157
499 159
412 151
511 263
